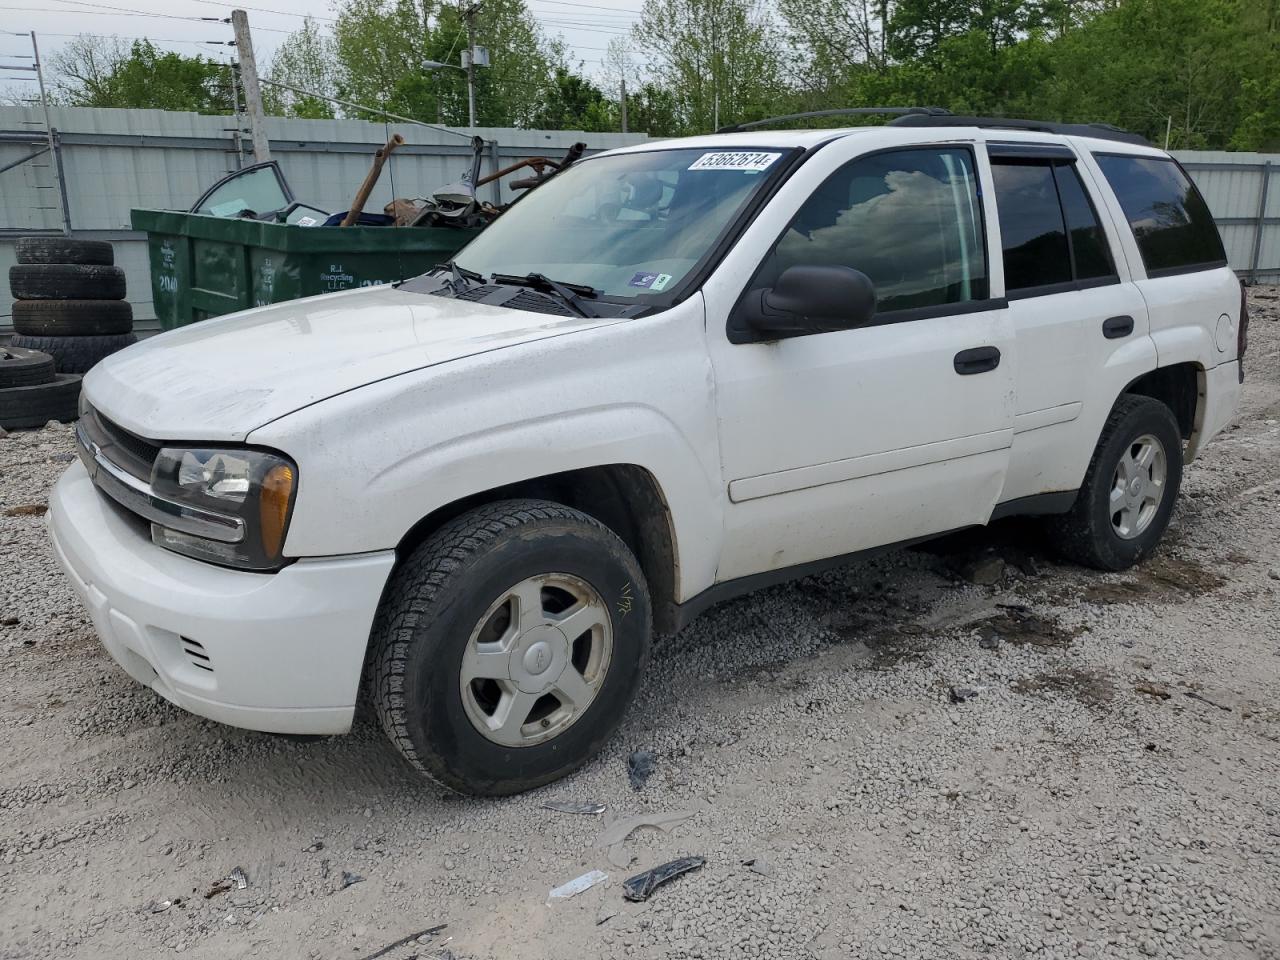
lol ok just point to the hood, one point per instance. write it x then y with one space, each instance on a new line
221 379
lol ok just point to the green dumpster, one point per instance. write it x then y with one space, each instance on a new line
203 266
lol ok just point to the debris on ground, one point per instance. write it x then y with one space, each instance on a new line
314 848
238 877
961 694
759 865
614 836
578 884
1156 690
639 887
422 938
584 807
222 886
640 767
1203 699
349 878
27 510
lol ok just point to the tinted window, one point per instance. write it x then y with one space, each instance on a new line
1032 233
1170 220
910 220
1088 242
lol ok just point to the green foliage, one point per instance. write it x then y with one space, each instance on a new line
93 73
305 61
1205 71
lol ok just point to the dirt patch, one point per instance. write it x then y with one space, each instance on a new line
1162 575
1091 687
1020 626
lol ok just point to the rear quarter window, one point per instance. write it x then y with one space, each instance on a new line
1170 220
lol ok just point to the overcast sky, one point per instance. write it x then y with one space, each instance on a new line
587 26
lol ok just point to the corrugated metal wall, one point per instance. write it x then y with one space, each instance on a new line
1242 192
115 160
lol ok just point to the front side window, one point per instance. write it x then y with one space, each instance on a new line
628 224
1170 220
1049 232
909 219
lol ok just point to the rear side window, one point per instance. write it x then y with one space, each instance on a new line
1089 247
1049 232
909 219
1171 221
1032 231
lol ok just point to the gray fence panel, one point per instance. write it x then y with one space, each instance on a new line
115 160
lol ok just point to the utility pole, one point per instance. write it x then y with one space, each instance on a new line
55 154
624 104
1168 129
470 16
252 91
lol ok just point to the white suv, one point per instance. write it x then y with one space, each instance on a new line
672 373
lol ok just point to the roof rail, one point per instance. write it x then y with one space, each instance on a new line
1100 131
900 112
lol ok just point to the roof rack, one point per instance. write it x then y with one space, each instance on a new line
900 112
1100 131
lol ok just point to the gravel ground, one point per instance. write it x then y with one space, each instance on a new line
1108 790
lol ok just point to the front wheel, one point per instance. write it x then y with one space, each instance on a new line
1129 492
509 645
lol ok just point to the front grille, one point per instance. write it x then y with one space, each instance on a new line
131 453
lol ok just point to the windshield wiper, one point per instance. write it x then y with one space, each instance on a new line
461 277
567 292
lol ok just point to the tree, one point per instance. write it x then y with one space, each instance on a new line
574 103
93 72
305 60
718 60
382 45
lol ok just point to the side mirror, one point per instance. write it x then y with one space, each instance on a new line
806 300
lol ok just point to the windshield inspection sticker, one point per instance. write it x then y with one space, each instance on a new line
745 160
643 280
660 282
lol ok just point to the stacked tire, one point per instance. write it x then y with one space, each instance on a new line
69 301
32 392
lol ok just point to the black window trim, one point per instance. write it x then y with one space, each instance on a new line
1014 150
737 334
1074 284
1162 272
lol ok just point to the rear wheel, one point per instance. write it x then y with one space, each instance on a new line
1129 492
509 645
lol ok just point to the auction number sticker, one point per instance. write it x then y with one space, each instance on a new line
745 160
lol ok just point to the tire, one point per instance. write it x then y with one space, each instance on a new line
1090 533
72 318
66 281
450 588
22 368
75 354
37 404
64 250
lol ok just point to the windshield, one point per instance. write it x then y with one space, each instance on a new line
627 224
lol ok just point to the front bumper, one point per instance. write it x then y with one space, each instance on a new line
276 652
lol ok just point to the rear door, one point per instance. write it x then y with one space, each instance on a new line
840 441
1074 312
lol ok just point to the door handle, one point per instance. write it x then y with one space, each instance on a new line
977 360
1114 328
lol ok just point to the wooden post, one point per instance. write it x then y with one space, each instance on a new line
624 104
252 91
370 180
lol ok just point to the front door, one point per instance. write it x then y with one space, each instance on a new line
837 442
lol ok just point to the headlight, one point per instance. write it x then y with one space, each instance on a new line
243 496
